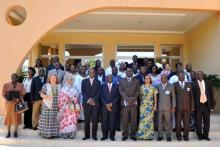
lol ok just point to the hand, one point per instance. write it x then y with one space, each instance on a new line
173 110
155 108
91 102
50 97
193 110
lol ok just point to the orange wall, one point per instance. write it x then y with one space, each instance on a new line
44 15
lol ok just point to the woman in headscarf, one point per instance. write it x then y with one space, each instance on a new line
68 108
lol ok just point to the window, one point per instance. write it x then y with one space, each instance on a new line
84 53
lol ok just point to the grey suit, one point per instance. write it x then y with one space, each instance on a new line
166 101
129 92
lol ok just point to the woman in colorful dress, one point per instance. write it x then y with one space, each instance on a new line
148 100
48 123
68 110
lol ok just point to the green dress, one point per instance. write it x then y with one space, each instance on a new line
146 125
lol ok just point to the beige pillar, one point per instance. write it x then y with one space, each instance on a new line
109 52
157 50
185 54
61 52
34 54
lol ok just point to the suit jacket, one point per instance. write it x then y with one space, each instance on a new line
116 79
52 66
209 95
111 97
91 91
36 87
129 91
166 97
140 78
184 97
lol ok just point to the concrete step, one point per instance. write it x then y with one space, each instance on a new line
30 138
40 142
80 134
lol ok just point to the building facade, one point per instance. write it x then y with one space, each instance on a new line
167 31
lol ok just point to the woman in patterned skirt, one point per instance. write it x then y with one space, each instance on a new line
48 123
68 112
148 100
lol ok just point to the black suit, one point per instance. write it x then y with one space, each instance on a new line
108 118
91 91
203 109
36 87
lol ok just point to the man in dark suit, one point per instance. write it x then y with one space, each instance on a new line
204 104
36 86
129 89
115 80
91 88
184 105
142 74
56 60
135 62
109 98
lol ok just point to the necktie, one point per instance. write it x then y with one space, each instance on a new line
182 85
203 96
109 88
164 86
91 81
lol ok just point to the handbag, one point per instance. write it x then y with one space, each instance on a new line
77 107
21 107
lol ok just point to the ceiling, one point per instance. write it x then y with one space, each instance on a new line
135 21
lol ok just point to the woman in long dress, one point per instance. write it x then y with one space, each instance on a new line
68 110
48 123
12 117
148 101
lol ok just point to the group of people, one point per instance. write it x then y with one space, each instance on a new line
138 99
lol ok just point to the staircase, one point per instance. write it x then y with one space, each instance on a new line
30 138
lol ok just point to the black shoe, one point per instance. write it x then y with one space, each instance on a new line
34 128
8 135
134 138
186 138
25 127
124 138
104 138
207 138
200 137
179 138
112 138
15 134
159 138
94 138
85 138
169 139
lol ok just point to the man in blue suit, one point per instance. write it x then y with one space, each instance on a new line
109 99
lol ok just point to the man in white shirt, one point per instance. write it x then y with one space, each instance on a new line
108 70
77 83
122 70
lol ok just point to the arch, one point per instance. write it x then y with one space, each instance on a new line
17 41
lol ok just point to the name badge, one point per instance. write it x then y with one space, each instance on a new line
188 89
167 92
